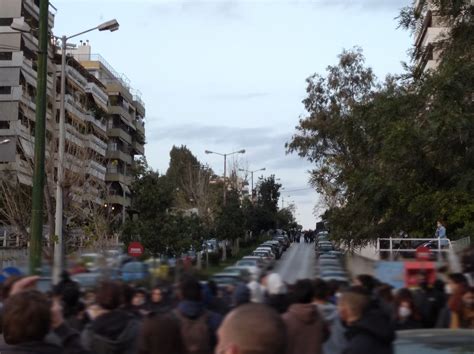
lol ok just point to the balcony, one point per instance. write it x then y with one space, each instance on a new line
96 144
75 76
118 199
100 95
138 148
119 155
74 107
116 174
16 62
97 122
96 169
140 126
121 111
33 9
15 94
120 133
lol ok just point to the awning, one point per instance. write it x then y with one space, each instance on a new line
27 147
25 180
125 188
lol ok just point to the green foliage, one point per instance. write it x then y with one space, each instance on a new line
396 155
230 223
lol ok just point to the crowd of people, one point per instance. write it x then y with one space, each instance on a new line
193 317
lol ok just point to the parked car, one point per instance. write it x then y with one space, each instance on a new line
266 255
252 260
243 272
225 279
435 341
135 271
267 249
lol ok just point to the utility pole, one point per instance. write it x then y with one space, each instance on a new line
40 132
225 179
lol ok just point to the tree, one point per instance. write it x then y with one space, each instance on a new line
394 155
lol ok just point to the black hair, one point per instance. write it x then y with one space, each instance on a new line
303 292
190 289
320 289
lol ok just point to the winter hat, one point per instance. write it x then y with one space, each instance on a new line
275 285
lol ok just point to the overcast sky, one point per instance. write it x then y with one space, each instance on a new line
226 75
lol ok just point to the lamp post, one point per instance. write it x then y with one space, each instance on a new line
225 166
112 26
251 176
4 141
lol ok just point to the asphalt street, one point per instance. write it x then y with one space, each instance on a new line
298 262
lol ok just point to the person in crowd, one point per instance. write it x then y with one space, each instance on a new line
69 294
276 292
256 292
337 342
241 295
369 330
305 326
216 303
368 282
252 329
132 301
161 334
158 300
405 313
456 288
428 300
466 313
28 317
198 325
384 294
112 329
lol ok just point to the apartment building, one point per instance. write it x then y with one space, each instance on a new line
431 30
125 126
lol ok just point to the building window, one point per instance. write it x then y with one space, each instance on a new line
4 124
7 21
6 55
5 90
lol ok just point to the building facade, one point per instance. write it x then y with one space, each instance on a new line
432 28
104 119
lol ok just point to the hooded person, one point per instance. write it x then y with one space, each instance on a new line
369 329
337 342
112 330
276 293
305 326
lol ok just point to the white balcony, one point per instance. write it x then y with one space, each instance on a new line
97 170
76 76
100 95
96 144
99 124
74 107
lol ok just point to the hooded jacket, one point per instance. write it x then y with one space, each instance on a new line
337 342
373 333
114 332
306 329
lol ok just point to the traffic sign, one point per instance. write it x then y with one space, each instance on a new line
135 249
423 253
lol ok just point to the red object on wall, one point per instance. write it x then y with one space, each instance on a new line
423 253
135 249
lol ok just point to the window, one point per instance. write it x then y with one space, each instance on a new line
6 55
5 90
4 124
7 21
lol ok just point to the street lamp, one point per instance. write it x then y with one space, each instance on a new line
112 26
251 175
225 166
4 141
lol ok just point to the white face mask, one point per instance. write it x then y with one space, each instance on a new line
448 289
404 312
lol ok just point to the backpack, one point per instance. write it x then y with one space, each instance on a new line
196 333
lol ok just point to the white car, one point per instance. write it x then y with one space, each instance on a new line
254 271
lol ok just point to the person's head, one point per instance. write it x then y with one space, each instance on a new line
26 317
161 334
352 304
139 298
405 305
468 299
252 329
439 223
366 281
190 289
457 283
384 292
320 290
109 295
156 295
422 279
8 284
302 292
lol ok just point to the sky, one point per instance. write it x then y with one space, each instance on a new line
226 75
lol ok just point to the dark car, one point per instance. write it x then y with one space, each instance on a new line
435 341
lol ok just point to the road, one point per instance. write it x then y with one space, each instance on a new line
298 262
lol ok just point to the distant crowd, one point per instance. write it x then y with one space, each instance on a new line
192 317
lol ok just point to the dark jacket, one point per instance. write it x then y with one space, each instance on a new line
373 333
337 342
306 329
115 332
278 302
64 340
194 310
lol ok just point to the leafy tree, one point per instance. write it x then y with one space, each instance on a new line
394 155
